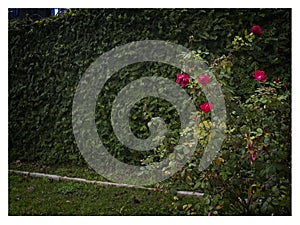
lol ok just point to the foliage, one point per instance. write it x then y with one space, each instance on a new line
252 174
48 57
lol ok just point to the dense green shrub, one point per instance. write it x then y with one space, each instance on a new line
252 174
235 185
47 58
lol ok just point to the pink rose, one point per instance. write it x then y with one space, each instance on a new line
183 79
260 75
256 30
206 107
204 79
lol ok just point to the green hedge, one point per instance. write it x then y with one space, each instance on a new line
48 57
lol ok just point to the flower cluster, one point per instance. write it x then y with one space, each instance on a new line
258 75
183 80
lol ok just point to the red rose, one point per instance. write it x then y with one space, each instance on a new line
206 107
260 75
256 30
204 79
183 79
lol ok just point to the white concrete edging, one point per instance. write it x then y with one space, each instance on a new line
102 183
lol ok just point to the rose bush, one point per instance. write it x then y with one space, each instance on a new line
43 74
252 174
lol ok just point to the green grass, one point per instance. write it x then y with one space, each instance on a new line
42 196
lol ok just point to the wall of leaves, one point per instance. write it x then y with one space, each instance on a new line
48 57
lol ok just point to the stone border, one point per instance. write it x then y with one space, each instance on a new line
101 183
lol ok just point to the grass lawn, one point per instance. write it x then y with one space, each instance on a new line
42 196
